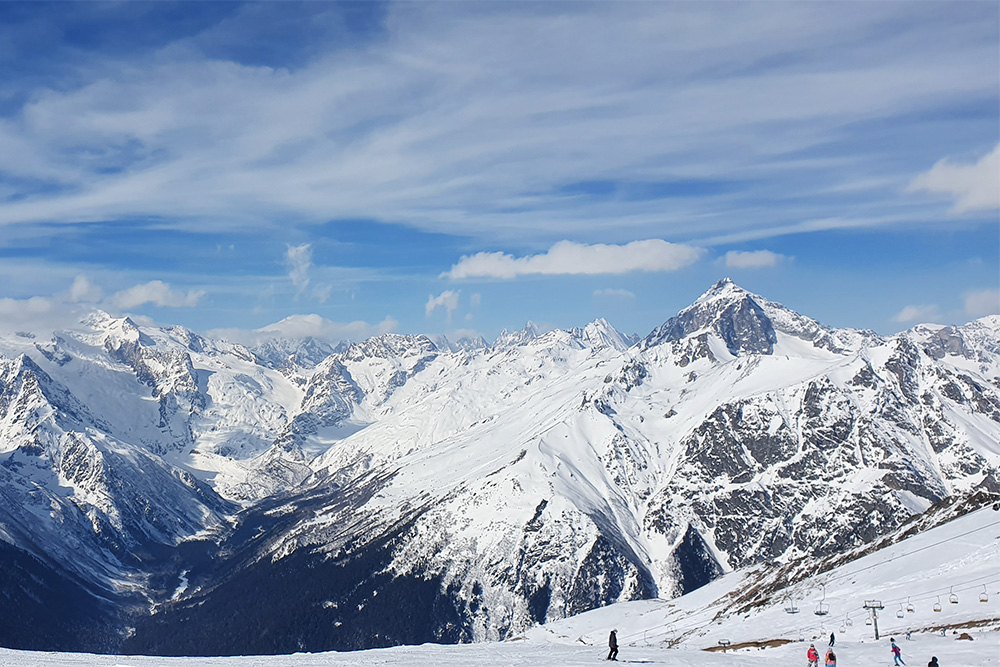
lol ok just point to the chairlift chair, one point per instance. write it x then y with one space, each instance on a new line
952 598
899 612
909 607
868 621
822 609
937 605
847 621
790 607
984 596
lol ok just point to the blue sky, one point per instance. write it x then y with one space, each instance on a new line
465 167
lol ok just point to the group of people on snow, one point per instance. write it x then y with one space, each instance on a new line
831 659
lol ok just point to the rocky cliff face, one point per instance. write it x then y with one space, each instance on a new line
498 486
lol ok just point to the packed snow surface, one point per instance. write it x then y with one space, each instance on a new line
961 558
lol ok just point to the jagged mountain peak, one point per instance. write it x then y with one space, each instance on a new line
600 334
748 323
727 310
514 338
391 345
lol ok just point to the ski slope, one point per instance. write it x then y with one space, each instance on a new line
960 557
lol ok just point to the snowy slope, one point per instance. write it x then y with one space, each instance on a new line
957 557
515 483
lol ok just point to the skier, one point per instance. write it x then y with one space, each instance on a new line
613 645
831 659
832 640
813 656
933 662
896 653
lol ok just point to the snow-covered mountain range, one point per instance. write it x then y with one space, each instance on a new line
181 495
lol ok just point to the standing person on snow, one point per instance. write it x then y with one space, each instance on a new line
933 662
831 659
813 656
832 640
896 653
613 645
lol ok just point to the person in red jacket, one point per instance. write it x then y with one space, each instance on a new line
813 656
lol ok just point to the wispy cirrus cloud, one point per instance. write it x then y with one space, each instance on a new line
569 258
483 133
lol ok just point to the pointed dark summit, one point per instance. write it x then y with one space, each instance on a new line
729 311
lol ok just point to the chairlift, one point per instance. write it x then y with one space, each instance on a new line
984 596
790 607
899 612
847 621
952 598
937 605
909 607
842 629
822 609
868 621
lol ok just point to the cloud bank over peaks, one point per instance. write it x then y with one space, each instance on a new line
569 258
308 326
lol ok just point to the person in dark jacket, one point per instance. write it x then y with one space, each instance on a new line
933 662
832 640
613 645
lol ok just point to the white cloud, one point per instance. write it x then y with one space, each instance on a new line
298 259
569 258
83 290
755 259
982 302
303 326
447 299
157 293
488 112
322 293
38 315
614 293
928 313
973 187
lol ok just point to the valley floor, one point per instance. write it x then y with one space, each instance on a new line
982 651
